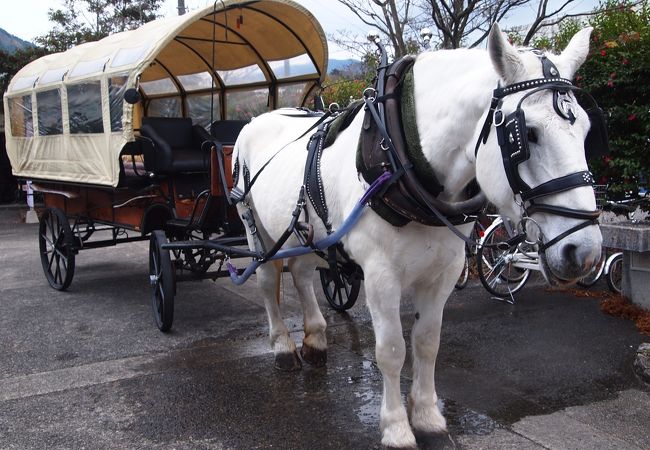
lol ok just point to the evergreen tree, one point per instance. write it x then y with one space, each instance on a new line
80 21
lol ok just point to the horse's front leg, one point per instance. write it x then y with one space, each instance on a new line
383 293
429 299
314 345
284 347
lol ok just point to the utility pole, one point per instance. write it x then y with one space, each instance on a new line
181 7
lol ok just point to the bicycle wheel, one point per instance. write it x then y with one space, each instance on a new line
497 268
615 272
464 275
593 276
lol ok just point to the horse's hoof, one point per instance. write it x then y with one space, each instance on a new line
434 441
287 362
313 356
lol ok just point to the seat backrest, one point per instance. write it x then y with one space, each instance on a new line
175 131
226 131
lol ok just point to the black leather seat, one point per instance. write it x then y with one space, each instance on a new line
175 145
226 131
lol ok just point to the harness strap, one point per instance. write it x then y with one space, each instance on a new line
501 92
544 245
565 183
239 196
312 180
562 211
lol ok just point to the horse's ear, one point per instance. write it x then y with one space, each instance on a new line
505 58
574 54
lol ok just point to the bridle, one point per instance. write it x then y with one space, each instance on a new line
512 136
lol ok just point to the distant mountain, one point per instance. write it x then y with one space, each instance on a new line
342 64
10 43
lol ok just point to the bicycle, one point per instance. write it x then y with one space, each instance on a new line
504 260
481 223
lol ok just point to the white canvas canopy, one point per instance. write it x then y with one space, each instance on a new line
66 118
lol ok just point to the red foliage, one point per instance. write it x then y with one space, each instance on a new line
617 305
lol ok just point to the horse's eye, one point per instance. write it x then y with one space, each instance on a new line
532 136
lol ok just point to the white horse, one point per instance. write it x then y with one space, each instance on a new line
452 90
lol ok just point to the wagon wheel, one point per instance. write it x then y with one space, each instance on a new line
341 289
196 260
57 249
85 229
163 282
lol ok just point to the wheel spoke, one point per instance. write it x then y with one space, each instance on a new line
57 273
47 239
154 260
49 266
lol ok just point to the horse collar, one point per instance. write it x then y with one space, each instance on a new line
390 142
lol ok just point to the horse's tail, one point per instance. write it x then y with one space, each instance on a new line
279 266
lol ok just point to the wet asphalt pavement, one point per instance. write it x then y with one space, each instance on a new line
87 368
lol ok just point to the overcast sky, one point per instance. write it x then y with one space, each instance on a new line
28 18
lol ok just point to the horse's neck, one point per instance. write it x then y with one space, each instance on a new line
453 89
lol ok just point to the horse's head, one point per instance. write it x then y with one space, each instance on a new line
533 166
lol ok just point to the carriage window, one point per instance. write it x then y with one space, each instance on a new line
163 86
48 108
52 76
22 83
85 108
196 81
246 104
126 56
293 67
116 88
290 95
20 116
198 108
88 67
164 107
243 75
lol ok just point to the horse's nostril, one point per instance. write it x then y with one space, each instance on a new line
577 258
570 255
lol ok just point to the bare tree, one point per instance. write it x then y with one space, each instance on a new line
455 23
466 22
393 18
546 17
551 17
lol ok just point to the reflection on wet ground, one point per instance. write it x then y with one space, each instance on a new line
210 383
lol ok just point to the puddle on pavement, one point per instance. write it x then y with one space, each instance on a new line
368 396
460 420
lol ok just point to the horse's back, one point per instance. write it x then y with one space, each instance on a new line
272 132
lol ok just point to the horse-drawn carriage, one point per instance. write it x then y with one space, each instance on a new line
121 135
131 137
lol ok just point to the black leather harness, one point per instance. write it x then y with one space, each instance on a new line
392 143
512 136
413 190
383 147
